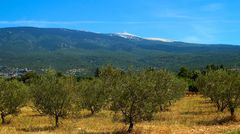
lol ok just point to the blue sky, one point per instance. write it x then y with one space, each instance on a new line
202 21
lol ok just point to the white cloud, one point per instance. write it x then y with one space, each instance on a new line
169 13
70 23
192 39
48 22
213 7
202 33
43 23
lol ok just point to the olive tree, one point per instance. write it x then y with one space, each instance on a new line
138 95
53 94
111 78
167 87
133 99
213 85
223 87
91 95
13 95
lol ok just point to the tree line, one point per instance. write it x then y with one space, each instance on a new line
220 84
223 88
136 95
191 76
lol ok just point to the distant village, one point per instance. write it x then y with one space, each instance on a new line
13 72
8 72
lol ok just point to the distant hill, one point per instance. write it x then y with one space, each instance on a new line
66 49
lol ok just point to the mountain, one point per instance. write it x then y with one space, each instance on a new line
66 49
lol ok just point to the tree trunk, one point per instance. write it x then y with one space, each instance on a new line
56 120
3 118
161 108
232 110
92 110
170 103
130 128
218 106
222 109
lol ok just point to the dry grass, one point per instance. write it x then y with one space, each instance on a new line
190 115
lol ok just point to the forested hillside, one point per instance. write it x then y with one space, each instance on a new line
66 49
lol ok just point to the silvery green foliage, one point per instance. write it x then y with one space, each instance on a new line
91 95
53 94
138 95
223 87
13 95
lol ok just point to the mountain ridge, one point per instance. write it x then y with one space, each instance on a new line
66 49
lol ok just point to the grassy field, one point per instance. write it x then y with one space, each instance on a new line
190 115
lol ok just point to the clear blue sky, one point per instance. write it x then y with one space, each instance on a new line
203 21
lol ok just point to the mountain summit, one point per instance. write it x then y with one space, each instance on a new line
127 35
132 36
160 39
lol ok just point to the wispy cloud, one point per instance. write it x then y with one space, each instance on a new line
202 33
191 39
213 7
171 13
50 23
43 23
